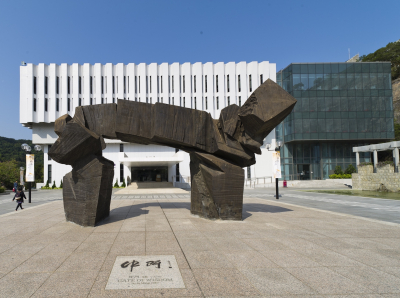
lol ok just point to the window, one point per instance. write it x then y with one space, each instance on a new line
172 100
57 84
49 174
102 100
172 84
135 84
169 100
151 100
161 88
195 104
229 100
124 84
57 104
113 84
139 86
147 84
191 84
69 104
239 85
194 84
162 100
34 104
121 147
216 82
135 98
128 84
158 84
169 84
113 100
69 85
45 104
150 84
48 150
217 103
102 85
227 82
250 85
180 101
91 85
261 79
147 100
34 85
183 84
117 84
206 104
80 101
121 173
158 99
248 173
206 82
46 79
184 104
240 101
80 85
91 101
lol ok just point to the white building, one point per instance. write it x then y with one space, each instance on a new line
50 91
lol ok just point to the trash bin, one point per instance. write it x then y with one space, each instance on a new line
284 183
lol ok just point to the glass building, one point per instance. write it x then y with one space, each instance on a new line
339 106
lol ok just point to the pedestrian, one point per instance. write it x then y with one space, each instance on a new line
19 197
15 186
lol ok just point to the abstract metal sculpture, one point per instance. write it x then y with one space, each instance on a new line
218 149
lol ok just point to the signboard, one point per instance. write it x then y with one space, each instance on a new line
30 168
276 164
145 272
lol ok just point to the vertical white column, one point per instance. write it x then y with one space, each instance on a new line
357 160
396 159
375 160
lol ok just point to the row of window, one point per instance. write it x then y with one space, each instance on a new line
182 102
137 84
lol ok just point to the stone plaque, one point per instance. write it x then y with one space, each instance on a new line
145 272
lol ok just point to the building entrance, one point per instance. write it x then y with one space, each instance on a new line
143 174
304 172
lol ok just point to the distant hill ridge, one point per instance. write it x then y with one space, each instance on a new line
11 149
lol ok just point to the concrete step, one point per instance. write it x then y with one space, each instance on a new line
151 184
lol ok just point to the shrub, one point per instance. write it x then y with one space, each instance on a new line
47 184
340 176
9 172
54 185
384 163
2 189
350 170
123 183
61 185
338 170
116 184
362 164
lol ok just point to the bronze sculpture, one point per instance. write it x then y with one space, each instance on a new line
218 148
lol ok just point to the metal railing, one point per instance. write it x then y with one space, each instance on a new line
181 179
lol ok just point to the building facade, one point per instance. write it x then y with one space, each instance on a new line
339 106
50 91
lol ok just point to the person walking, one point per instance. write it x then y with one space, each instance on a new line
19 197
15 186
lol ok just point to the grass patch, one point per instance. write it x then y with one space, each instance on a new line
360 193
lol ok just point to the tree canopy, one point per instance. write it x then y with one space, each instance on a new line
389 53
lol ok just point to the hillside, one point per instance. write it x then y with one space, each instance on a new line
11 149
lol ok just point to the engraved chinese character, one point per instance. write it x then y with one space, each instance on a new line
133 264
156 263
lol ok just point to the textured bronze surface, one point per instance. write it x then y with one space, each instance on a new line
218 148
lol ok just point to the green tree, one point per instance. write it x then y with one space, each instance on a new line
61 184
389 53
338 170
54 185
123 183
47 184
397 131
350 170
116 184
9 173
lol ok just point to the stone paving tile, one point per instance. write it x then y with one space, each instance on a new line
391 270
326 281
208 260
67 284
230 244
264 244
19 285
370 257
162 245
42 263
289 258
179 256
276 281
195 244
222 282
83 262
249 259
376 280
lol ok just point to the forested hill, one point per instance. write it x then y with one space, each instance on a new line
11 149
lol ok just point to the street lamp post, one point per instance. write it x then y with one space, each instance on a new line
27 149
277 149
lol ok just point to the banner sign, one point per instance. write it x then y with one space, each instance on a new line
276 164
30 168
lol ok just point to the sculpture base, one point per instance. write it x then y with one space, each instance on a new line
217 187
87 190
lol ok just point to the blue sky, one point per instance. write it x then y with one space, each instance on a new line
182 31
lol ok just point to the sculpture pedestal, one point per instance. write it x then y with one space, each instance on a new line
87 190
217 187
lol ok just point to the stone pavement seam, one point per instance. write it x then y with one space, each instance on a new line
336 213
197 282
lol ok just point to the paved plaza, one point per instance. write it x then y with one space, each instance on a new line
278 250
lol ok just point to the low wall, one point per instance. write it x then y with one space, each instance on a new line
366 179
